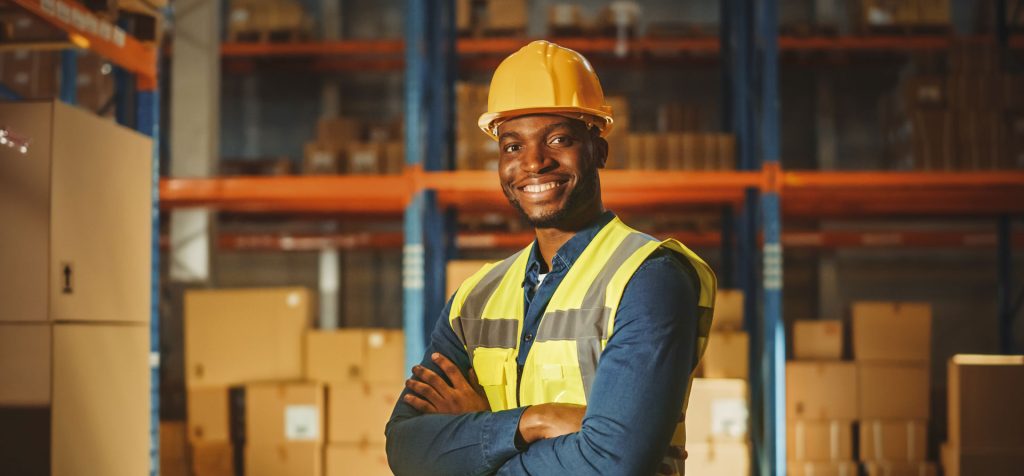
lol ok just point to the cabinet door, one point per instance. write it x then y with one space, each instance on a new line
100 399
100 251
25 212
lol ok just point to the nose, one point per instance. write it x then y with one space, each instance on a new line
535 160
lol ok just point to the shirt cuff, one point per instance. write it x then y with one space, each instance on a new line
499 436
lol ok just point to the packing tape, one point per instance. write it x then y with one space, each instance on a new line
833 434
876 430
801 448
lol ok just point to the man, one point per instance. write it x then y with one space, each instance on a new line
574 355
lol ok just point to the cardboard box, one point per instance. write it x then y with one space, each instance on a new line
893 391
84 188
364 460
985 395
821 390
892 331
358 412
235 336
25 361
173 449
728 310
889 468
727 355
318 159
818 468
987 461
284 413
460 270
336 133
507 15
717 459
364 158
335 356
819 440
290 459
924 92
213 459
208 415
818 340
717 411
385 356
902 441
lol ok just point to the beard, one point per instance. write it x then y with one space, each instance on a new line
585 191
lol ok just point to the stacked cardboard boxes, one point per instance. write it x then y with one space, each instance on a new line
892 348
474 150
74 324
347 146
267 20
493 17
821 401
905 13
985 415
727 354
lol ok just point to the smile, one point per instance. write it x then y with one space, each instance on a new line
542 187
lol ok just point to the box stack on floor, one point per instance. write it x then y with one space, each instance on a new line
348 146
892 349
491 17
717 414
74 323
821 402
268 395
986 434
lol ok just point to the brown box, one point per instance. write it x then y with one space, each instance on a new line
364 460
982 461
358 412
821 390
985 395
924 92
717 459
291 459
460 270
173 449
934 141
242 335
717 411
364 158
385 356
318 159
284 413
819 440
818 468
337 133
898 391
82 190
208 415
463 15
506 15
818 340
933 12
335 356
213 459
891 468
892 331
901 441
93 418
727 355
728 310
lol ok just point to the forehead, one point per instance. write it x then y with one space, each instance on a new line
538 123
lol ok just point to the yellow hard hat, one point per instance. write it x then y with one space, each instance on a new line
544 78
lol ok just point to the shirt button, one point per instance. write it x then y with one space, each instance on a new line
528 337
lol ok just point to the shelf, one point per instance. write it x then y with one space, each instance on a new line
88 31
804 194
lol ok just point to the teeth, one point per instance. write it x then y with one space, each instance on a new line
540 188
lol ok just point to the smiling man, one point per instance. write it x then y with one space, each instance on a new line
574 355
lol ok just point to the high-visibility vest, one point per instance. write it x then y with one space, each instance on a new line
487 315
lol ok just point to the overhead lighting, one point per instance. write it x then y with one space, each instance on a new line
79 40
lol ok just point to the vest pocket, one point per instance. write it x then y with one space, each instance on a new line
562 383
490 366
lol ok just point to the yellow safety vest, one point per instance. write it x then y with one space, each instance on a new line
487 315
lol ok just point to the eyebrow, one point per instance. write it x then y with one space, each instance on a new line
508 134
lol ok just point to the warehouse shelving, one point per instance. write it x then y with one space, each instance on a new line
139 61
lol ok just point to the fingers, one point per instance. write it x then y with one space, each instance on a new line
419 404
666 469
675 452
424 391
475 382
449 369
430 378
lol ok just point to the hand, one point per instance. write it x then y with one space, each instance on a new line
550 420
431 394
672 455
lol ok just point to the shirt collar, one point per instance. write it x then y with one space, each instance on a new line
571 250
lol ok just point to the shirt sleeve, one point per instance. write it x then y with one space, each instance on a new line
438 444
640 382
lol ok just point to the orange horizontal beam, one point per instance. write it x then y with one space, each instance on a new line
104 38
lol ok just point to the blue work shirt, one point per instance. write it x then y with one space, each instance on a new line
633 406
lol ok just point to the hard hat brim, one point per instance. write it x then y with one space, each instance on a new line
490 121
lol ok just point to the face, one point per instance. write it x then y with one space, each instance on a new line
548 170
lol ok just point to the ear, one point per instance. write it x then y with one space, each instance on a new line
600 150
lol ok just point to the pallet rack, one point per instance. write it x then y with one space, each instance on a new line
137 75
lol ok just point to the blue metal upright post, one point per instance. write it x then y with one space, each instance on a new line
69 76
774 351
429 81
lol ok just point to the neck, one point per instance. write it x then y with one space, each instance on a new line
549 240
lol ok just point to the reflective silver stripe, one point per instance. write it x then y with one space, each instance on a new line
493 333
473 306
597 294
572 324
588 351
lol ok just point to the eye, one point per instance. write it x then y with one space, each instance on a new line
512 148
562 140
